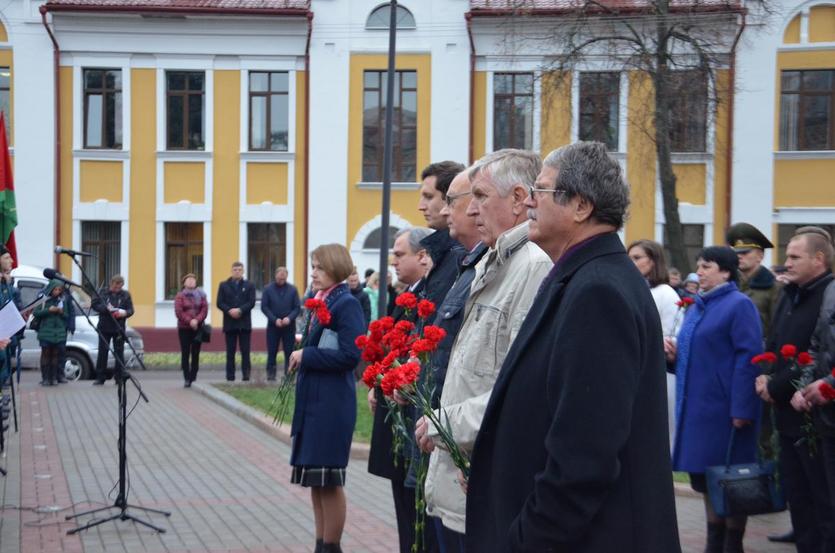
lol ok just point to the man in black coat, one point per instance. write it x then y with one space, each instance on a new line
114 306
280 304
236 298
808 258
573 452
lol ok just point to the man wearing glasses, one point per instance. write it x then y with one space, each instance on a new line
504 285
576 428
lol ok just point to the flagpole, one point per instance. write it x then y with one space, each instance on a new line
387 162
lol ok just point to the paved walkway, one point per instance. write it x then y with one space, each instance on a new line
225 481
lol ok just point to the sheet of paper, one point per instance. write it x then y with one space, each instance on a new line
10 320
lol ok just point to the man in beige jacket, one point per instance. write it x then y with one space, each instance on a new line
506 281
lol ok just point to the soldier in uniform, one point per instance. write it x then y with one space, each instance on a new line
759 284
755 280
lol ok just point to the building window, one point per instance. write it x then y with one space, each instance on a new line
404 160
186 113
372 241
688 111
807 110
5 98
513 110
268 111
103 108
103 239
183 254
380 18
599 99
267 251
786 232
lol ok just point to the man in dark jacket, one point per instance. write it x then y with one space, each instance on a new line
576 427
114 306
236 298
280 304
357 290
755 280
808 259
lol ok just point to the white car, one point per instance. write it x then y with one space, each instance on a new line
83 345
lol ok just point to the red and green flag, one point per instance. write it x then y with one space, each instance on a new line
8 210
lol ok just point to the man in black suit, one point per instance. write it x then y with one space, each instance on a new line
236 298
573 452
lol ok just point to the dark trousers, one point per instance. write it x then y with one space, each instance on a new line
404 510
101 360
829 466
241 338
50 353
808 496
287 339
450 541
189 353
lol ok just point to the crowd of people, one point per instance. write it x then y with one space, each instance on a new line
577 374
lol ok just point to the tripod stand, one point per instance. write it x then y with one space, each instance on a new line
121 377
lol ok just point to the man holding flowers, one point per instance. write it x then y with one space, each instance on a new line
505 283
809 256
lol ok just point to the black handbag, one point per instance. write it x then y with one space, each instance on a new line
745 489
205 333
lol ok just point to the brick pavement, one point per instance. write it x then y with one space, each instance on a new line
225 481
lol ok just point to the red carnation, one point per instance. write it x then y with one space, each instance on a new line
361 341
406 300
312 304
803 359
425 309
434 333
386 323
685 302
404 326
788 351
371 374
422 346
827 391
409 373
389 382
372 352
767 357
323 315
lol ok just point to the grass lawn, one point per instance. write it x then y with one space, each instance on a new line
682 477
261 397
167 360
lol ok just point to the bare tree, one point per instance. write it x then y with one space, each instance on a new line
678 45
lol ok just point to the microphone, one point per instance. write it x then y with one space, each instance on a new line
52 273
73 253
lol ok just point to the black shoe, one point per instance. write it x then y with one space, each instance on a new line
98 383
187 384
788 537
245 379
62 381
44 383
270 379
230 380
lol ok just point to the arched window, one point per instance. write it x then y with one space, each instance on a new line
372 241
381 15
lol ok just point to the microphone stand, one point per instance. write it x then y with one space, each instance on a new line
121 376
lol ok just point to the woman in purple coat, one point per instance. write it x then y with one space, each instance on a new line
326 404
715 384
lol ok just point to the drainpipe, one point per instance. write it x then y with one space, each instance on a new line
56 56
731 97
469 18
307 143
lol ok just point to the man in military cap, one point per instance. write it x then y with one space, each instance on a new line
756 281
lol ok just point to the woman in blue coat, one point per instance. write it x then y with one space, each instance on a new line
326 405
715 384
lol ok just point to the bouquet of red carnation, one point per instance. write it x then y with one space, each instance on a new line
803 367
766 362
281 401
